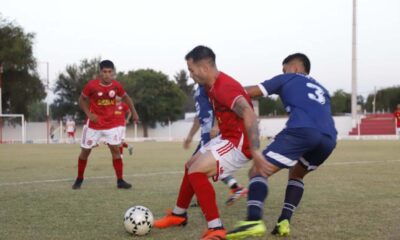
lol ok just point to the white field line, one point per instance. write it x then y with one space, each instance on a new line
172 173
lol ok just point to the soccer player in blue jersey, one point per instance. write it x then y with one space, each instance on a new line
306 142
204 121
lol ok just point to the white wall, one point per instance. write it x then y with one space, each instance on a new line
269 127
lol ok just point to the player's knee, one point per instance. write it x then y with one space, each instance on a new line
84 153
297 172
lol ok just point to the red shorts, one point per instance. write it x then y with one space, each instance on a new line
71 134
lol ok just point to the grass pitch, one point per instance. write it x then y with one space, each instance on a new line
354 195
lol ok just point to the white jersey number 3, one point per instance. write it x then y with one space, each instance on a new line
318 94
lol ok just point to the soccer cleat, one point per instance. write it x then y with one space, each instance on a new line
236 194
282 228
246 229
171 220
77 184
130 149
121 184
214 234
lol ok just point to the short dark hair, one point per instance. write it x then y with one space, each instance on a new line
201 53
302 58
106 64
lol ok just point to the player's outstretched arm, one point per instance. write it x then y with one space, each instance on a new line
243 109
84 104
128 100
193 130
128 117
254 91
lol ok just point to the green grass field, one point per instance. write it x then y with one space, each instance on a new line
354 195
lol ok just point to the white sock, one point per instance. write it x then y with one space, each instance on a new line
179 211
214 223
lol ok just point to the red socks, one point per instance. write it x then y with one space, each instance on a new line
118 166
205 195
185 192
81 167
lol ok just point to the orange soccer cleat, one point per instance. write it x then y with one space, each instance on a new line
214 234
170 220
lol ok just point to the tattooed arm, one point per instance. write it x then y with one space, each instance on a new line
243 109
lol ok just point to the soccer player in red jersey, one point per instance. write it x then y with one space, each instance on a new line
237 143
70 129
122 116
98 102
397 119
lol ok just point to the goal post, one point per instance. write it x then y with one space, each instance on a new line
12 131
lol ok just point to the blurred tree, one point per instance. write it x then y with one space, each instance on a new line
37 111
271 107
182 79
386 99
340 102
156 98
21 83
69 86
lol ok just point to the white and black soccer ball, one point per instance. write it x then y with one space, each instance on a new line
138 220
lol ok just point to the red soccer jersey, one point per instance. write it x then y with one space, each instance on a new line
397 116
223 95
102 102
121 109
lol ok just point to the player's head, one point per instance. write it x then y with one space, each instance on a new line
107 70
201 64
296 63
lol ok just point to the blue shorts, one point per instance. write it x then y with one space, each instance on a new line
305 145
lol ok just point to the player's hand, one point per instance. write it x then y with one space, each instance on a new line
135 118
261 165
93 117
186 142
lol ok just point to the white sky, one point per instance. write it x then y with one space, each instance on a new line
250 38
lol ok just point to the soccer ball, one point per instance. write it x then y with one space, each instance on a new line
138 220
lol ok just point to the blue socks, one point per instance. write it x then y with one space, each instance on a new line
258 191
294 193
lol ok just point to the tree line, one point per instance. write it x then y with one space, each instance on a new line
158 98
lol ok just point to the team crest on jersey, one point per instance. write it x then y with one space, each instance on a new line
100 94
119 107
111 93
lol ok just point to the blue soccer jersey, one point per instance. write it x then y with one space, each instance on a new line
307 102
205 114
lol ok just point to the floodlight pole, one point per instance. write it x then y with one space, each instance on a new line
47 86
354 67
47 105
1 103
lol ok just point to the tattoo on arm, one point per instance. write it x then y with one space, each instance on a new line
243 109
240 105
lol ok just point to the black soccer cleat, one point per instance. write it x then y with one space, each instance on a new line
123 185
77 184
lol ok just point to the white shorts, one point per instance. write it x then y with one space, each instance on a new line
122 132
91 137
229 158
